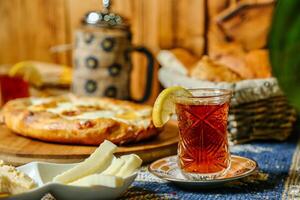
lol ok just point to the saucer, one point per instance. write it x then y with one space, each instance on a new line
167 169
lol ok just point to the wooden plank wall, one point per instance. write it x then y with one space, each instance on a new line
29 28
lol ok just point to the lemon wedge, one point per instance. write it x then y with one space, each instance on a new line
66 76
28 72
164 105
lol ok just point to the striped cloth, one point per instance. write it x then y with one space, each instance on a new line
278 177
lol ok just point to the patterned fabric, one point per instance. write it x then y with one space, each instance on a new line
278 177
292 184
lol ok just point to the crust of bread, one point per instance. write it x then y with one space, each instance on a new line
258 62
207 69
51 127
187 59
178 59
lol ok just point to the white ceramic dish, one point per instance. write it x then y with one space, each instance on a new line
42 173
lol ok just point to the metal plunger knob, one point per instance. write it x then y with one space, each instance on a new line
106 5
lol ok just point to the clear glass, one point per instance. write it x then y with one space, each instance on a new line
203 151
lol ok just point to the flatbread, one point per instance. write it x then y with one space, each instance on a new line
79 120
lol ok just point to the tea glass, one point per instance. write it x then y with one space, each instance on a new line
12 88
203 152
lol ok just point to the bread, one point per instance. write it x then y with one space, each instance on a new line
232 55
79 120
178 59
207 69
228 62
258 62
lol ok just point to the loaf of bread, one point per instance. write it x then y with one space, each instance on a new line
258 62
207 69
178 59
229 64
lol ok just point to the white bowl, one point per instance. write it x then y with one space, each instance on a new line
42 173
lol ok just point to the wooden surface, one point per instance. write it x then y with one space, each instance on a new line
29 28
18 150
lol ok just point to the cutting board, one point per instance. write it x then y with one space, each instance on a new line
19 150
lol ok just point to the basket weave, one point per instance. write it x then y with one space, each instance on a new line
258 110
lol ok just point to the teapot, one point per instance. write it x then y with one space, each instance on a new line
102 56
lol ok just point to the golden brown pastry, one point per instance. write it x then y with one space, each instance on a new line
178 59
258 62
79 120
185 57
207 69
232 56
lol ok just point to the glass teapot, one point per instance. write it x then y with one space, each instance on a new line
102 57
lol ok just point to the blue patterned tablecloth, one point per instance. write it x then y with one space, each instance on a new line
278 177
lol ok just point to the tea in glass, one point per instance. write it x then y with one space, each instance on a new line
203 144
12 88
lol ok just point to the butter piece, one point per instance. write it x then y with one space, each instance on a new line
97 162
99 179
132 163
115 166
13 181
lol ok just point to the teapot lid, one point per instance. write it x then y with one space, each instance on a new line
105 18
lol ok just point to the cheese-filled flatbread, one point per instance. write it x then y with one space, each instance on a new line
79 120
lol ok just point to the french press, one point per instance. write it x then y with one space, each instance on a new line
102 56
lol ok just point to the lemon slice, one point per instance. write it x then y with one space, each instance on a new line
28 72
164 105
66 76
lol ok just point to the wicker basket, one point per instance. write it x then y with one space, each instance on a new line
259 109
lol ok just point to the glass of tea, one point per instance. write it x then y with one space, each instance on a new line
203 152
12 88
